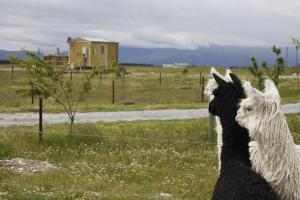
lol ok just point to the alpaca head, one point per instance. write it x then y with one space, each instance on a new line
212 84
258 107
226 95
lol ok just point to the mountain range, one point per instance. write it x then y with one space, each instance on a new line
212 55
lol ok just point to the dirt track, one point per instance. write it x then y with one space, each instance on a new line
7 119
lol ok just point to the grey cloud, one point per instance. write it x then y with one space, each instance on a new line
156 23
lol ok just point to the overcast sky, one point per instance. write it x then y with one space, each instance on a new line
184 24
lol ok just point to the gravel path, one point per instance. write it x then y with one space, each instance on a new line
7 119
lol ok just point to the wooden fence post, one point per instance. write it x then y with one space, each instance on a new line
297 87
122 82
159 78
32 94
113 91
40 118
12 72
202 90
200 78
297 80
123 75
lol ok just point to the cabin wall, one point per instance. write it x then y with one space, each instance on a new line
75 54
112 53
98 53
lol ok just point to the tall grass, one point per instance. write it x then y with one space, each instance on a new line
121 163
124 160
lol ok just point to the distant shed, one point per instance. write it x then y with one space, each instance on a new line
56 59
87 52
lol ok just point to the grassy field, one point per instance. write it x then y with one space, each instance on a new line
125 160
142 90
121 160
132 160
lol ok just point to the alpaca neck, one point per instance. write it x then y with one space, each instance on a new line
276 145
235 142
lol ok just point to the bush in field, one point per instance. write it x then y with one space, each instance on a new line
271 72
117 72
185 70
278 68
257 72
48 82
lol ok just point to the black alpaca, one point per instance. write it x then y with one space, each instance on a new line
236 181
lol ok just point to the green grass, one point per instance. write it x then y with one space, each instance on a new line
124 160
122 163
142 90
294 125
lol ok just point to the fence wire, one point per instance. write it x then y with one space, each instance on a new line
90 166
136 138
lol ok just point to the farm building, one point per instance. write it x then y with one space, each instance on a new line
87 52
56 59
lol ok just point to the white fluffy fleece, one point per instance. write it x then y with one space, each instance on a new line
275 157
210 87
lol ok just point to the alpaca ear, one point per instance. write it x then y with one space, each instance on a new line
235 79
214 71
217 76
221 82
249 90
271 89
227 75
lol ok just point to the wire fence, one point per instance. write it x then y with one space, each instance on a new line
134 90
138 89
142 92
44 190
136 138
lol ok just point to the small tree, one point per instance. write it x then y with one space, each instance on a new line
257 72
278 68
117 72
272 72
185 70
52 83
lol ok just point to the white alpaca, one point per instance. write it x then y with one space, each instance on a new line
276 159
209 88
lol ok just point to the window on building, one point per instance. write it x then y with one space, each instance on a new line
102 49
84 51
